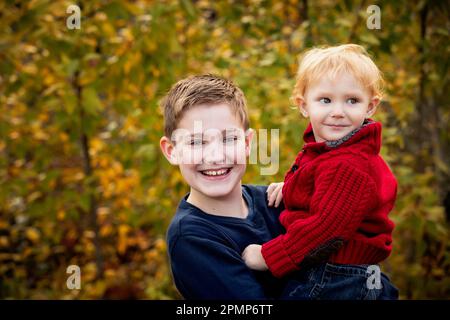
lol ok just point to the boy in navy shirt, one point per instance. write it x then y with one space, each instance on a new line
207 136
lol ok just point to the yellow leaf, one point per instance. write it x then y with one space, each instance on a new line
33 196
4 242
160 245
123 230
105 230
32 234
61 215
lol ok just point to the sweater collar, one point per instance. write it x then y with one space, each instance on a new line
369 135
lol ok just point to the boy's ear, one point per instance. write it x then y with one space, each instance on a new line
248 141
168 149
372 107
300 102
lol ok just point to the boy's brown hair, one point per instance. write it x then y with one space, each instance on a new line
198 90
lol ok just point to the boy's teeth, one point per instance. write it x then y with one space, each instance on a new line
215 172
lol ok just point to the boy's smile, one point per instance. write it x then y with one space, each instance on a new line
216 174
337 106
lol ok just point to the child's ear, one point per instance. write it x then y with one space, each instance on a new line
372 107
301 103
248 141
168 149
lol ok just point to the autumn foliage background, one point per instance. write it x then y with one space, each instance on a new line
82 180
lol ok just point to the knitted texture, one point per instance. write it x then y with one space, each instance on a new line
336 191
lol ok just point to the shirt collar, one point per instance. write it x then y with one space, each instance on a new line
369 134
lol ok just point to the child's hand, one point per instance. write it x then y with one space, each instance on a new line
253 258
274 194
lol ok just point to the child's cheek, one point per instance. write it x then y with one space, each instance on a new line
235 154
189 155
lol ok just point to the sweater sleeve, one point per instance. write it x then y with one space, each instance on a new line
342 196
205 269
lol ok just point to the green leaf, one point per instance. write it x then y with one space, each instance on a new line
188 8
146 151
370 38
91 103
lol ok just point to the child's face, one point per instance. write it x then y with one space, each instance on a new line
211 149
336 107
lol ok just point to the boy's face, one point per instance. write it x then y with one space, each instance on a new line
336 107
211 149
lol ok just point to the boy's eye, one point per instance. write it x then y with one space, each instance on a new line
230 139
352 100
325 100
196 142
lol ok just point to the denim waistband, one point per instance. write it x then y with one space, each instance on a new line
347 269
318 272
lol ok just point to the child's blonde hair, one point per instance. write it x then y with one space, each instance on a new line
331 61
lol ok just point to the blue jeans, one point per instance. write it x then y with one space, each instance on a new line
339 282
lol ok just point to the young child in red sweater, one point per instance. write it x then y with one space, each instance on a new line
339 191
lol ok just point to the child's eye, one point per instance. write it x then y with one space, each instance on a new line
352 100
325 100
196 142
230 139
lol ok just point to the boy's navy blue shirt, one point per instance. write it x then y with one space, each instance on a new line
205 250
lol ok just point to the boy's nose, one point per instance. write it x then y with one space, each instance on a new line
214 153
337 110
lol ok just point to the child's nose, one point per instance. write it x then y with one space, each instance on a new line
337 110
214 153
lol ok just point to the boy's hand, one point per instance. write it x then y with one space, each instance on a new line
253 258
274 194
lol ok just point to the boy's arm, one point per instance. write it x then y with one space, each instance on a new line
205 269
342 196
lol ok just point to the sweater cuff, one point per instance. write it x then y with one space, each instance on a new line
276 257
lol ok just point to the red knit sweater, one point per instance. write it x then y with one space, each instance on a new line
342 191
